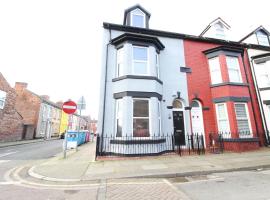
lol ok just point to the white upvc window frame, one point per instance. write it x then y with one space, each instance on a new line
3 96
226 118
214 71
118 116
159 117
140 61
220 31
141 14
261 71
261 37
119 61
149 117
247 118
157 64
237 68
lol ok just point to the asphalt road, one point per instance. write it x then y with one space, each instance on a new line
244 185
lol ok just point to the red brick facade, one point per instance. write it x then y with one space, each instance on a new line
201 89
11 122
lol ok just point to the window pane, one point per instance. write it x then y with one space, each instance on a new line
119 126
221 111
240 110
243 125
140 108
140 53
215 73
234 75
141 128
138 21
195 104
262 38
223 126
140 67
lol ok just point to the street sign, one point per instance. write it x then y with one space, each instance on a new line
69 107
81 103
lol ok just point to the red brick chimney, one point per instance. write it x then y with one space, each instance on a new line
19 86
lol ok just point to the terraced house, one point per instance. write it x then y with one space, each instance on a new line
156 83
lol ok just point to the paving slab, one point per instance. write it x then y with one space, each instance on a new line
81 164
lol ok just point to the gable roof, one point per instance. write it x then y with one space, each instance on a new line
133 8
260 28
214 22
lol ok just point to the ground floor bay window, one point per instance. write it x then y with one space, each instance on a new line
141 118
222 118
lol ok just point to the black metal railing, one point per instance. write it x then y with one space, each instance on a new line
147 146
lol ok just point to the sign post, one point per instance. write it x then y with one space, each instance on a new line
69 107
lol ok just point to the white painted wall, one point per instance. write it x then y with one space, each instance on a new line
171 59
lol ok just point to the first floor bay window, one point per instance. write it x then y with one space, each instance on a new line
242 118
141 118
2 99
222 118
215 72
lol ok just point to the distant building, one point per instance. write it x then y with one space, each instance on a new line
11 122
38 112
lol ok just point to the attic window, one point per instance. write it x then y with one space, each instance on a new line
220 33
138 18
262 38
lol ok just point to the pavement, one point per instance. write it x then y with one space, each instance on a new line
81 165
22 142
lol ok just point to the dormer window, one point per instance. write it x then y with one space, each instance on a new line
262 38
138 18
220 33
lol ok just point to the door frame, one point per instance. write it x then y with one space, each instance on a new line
201 111
181 109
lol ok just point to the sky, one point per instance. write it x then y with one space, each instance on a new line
55 45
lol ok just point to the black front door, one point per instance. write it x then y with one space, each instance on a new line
179 128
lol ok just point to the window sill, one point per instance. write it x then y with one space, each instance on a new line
228 84
137 77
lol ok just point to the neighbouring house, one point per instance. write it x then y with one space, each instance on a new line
11 122
259 55
156 83
41 116
49 118
221 90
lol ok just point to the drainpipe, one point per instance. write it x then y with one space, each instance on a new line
266 136
251 100
105 90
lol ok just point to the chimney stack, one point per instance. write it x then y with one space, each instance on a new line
19 86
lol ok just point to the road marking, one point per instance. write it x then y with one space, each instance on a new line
9 183
4 161
177 190
6 154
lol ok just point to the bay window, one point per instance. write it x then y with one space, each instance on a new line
2 99
141 118
215 72
222 118
242 118
233 69
157 65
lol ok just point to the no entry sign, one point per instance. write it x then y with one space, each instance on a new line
69 107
